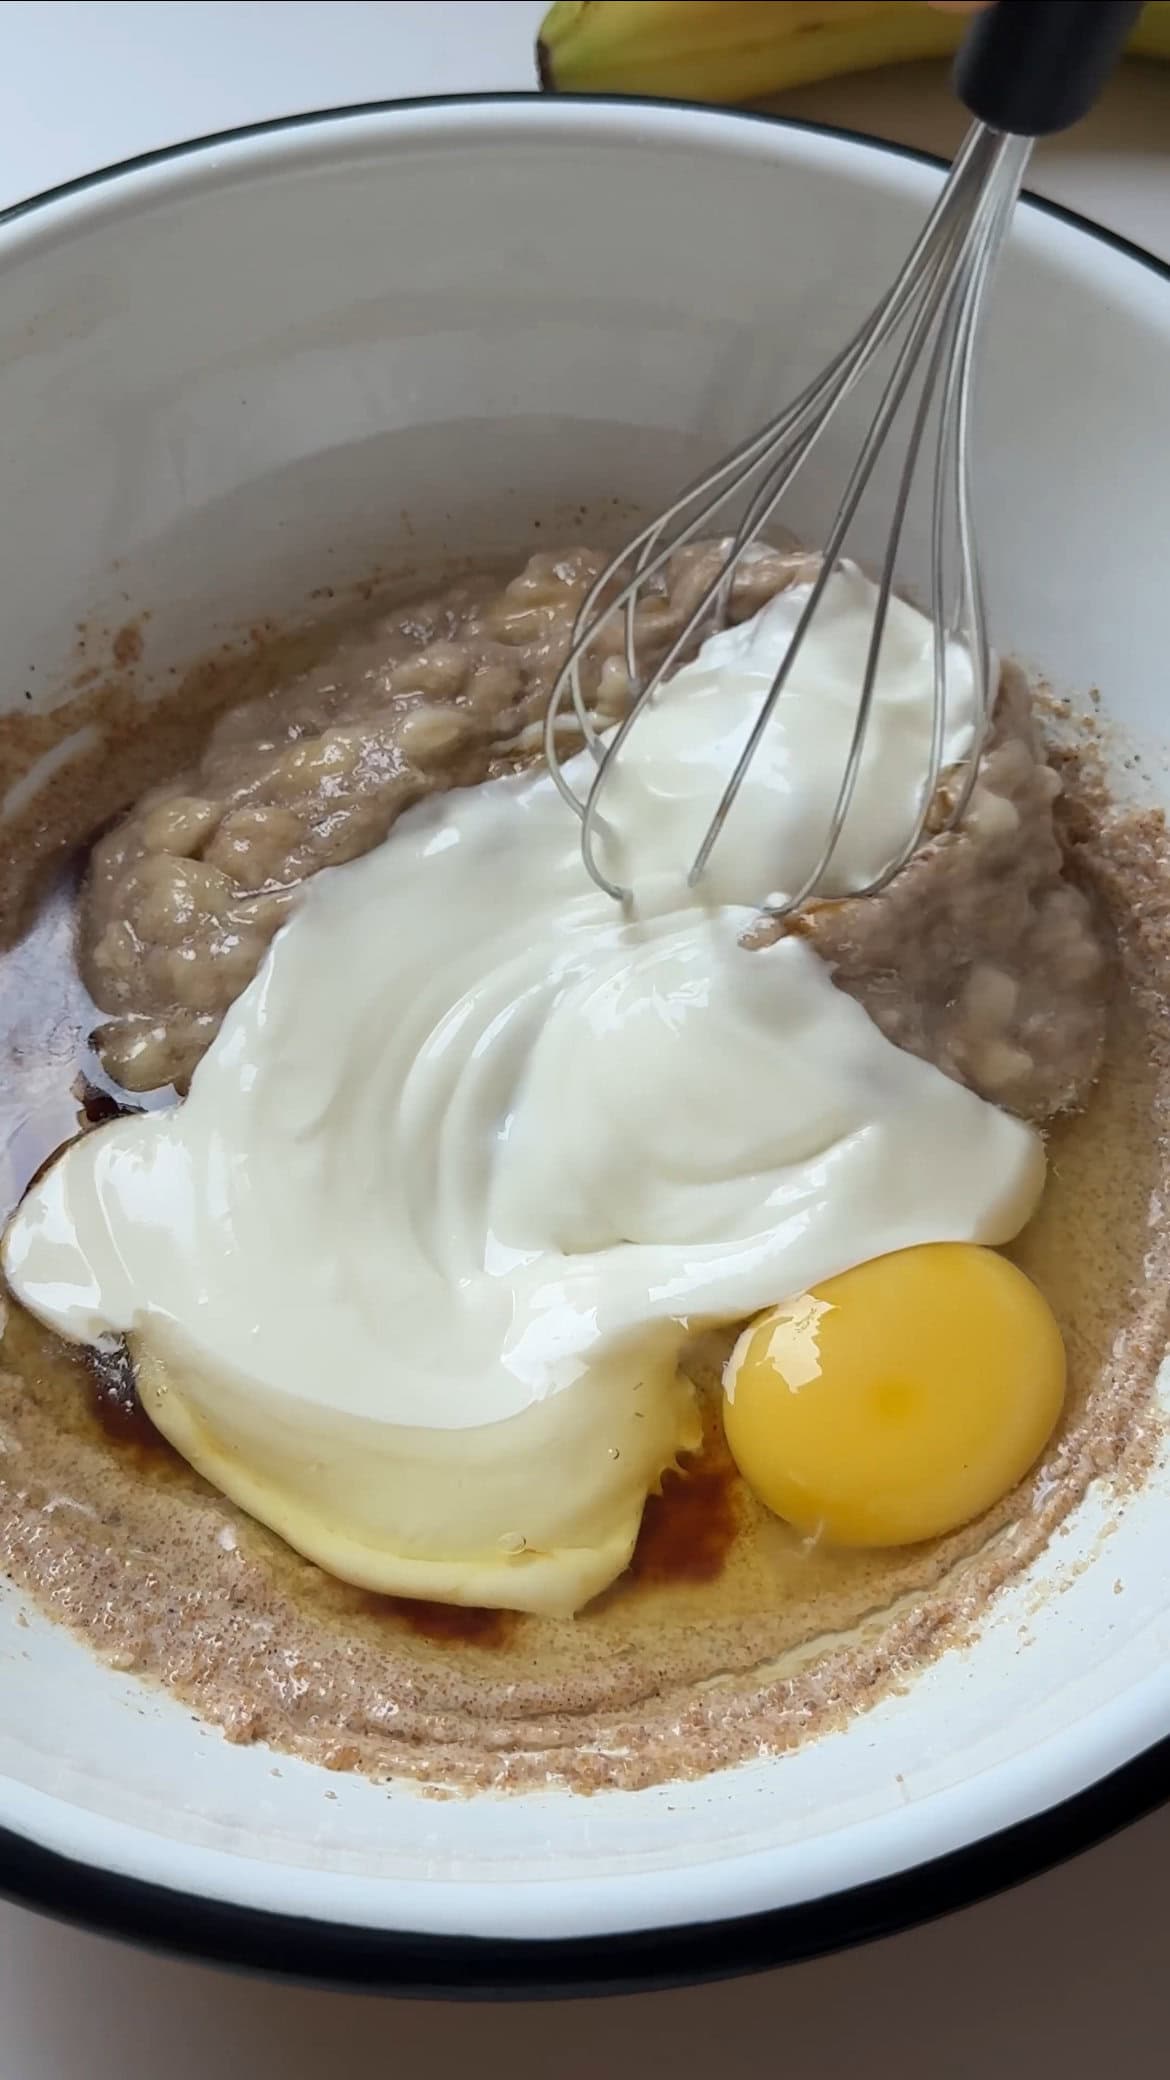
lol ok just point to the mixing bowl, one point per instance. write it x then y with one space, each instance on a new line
235 371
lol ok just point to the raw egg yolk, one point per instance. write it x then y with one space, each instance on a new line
898 1401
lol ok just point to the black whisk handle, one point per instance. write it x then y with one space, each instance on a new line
1029 67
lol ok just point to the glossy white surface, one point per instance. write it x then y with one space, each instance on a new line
198 377
1067 1970
394 1295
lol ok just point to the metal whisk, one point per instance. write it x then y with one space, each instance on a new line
1027 67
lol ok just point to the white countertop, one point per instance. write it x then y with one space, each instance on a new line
1067 1972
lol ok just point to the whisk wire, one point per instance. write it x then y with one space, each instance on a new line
892 397
730 472
937 304
952 482
849 363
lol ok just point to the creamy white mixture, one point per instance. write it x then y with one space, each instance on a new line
409 1273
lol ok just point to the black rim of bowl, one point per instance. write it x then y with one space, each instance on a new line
404 1962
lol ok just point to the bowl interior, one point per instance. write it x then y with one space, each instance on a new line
240 374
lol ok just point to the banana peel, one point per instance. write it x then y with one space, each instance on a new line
732 51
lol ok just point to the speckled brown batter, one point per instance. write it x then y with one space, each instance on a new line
184 894
727 1638
980 956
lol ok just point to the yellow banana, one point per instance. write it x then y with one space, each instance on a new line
744 50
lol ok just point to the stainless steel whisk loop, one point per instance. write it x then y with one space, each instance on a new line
1026 68
930 320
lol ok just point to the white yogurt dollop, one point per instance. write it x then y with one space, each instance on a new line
673 766
409 1272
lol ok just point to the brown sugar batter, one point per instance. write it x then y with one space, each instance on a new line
728 1637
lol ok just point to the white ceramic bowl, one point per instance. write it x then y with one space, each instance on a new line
228 370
